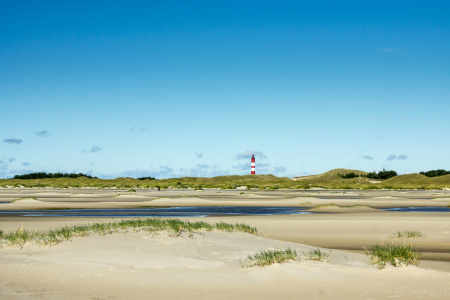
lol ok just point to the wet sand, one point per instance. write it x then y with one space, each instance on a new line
147 266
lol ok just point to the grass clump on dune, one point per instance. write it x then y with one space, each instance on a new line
269 257
317 255
329 205
20 236
24 198
395 255
408 234
322 206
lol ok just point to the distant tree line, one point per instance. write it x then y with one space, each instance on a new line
373 175
435 173
149 178
382 174
350 175
43 175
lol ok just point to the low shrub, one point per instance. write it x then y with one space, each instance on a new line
395 255
317 255
269 257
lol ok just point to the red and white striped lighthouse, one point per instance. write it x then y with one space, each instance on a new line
253 164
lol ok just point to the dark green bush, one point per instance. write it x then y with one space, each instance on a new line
146 178
382 174
435 173
42 175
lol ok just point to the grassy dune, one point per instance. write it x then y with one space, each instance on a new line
223 182
332 180
19 237
328 180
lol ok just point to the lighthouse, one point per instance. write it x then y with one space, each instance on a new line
253 164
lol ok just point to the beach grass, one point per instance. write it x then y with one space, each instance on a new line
317 255
269 257
20 236
409 234
24 198
392 254
329 205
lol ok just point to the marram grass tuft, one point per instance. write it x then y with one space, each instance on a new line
20 236
269 257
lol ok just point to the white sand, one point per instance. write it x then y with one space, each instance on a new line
85 195
130 196
26 201
142 266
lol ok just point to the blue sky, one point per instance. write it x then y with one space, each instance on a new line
180 88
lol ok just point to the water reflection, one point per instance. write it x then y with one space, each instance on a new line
165 212
420 209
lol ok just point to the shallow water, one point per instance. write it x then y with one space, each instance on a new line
164 212
420 209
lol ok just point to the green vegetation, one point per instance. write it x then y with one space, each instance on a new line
382 174
435 173
269 257
24 198
19 237
408 234
307 203
317 255
352 175
328 205
146 178
220 182
131 191
330 180
42 175
395 255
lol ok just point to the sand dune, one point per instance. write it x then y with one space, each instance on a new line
142 266
130 196
27 201
85 195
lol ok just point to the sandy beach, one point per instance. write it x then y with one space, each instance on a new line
156 266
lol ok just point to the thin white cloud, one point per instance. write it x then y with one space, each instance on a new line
248 154
92 150
400 157
279 169
247 166
42 133
13 141
392 157
136 129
